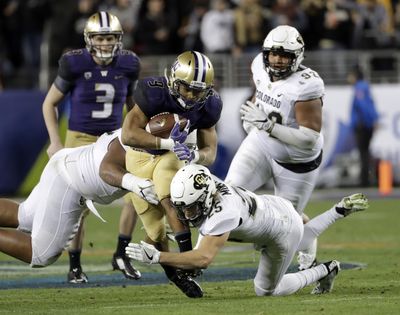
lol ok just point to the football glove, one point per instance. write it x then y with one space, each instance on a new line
256 116
183 152
145 190
143 252
177 135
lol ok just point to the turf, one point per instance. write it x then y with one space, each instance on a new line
370 238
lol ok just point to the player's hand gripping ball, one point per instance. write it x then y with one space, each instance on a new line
161 125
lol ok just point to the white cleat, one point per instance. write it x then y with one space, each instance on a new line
353 203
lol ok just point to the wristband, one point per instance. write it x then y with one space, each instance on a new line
166 144
184 241
128 181
196 156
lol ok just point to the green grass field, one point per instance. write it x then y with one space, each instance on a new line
370 238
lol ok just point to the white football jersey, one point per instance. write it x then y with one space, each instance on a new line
80 167
278 100
247 216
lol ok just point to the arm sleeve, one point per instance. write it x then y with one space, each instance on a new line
140 98
303 137
65 79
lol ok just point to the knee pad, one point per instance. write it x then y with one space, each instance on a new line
44 260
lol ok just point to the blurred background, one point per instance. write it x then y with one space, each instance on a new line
339 35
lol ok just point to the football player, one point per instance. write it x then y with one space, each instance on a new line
222 213
72 179
186 90
99 81
283 121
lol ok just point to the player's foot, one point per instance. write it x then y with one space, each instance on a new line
123 264
325 285
76 275
353 203
187 285
306 261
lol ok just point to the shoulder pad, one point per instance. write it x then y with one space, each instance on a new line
310 84
126 52
74 52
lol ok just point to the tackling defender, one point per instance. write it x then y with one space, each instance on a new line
99 80
72 179
222 212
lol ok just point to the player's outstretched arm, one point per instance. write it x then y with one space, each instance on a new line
113 172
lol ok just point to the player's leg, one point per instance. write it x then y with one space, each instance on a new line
75 139
76 274
297 188
127 222
293 282
249 167
317 225
8 213
13 242
278 251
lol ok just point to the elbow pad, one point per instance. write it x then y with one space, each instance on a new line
303 137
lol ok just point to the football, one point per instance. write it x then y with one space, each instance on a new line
161 124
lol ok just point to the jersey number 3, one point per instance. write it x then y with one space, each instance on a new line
106 99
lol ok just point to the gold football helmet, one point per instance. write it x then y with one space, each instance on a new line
191 78
103 23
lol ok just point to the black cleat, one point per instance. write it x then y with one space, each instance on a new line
325 285
123 264
187 285
76 275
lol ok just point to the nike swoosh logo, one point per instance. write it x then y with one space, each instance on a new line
147 255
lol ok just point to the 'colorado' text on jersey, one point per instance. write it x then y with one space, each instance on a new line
278 100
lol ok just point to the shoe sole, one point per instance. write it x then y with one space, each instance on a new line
128 276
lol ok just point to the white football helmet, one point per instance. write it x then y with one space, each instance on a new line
195 72
103 23
192 191
287 40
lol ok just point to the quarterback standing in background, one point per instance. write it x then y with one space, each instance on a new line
283 121
99 80
187 91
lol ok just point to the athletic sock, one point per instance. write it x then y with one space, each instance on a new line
123 242
74 259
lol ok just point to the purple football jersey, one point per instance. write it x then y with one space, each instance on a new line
153 97
97 93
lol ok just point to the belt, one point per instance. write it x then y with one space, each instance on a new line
150 151
303 167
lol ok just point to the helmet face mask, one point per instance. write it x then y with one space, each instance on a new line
103 24
286 41
190 79
192 192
